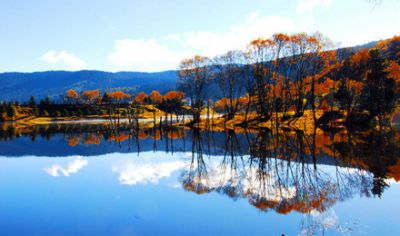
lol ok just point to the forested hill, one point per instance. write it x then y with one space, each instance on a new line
16 86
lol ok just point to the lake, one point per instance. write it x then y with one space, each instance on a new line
86 179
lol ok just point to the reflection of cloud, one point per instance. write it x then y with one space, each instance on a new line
71 168
327 221
278 186
176 185
132 174
245 182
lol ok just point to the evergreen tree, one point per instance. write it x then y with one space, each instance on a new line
11 110
379 97
31 102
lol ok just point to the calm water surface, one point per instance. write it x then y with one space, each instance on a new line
85 180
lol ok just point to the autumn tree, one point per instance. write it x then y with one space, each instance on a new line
141 98
172 101
155 97
118 96
296 72
91 95
72 96
229 74
194 75
391 49
174 95
280 77
300 64
261 53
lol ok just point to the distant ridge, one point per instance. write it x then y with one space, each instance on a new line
17 86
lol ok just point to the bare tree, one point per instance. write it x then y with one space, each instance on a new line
194 75
229 74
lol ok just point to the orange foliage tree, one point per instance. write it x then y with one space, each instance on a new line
91 95
141 97
72 95
194 75
174 95
118 96
155 97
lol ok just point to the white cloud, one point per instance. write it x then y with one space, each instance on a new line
151 55
64 59
306 6
238 36
71 168
144 55
353 39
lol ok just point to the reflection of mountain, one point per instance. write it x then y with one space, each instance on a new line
281 171
373 151
91 140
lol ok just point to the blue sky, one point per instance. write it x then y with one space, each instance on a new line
151 35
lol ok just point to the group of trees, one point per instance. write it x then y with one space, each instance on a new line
10 110
90 102
282 76
7 109
276 78
93 97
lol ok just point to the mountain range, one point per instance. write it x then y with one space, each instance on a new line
16 86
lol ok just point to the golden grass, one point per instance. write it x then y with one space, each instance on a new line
304 123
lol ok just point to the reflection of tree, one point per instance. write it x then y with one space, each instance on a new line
195 178
230 166
374 151
92 139
290 171
282 170
73 141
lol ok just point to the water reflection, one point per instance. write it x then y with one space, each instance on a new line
281 171
132 173
71 168
317 222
